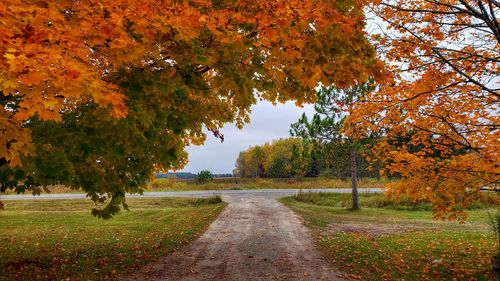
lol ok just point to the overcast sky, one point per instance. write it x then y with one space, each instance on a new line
268 122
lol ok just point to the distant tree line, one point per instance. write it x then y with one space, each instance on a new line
188 175
318 146
298 157
179 175
278 159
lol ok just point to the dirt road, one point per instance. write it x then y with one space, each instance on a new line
255 238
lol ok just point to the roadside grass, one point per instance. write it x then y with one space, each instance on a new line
172 184
484 200
60 240
416 247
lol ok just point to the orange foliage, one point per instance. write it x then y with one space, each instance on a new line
440 115
58 54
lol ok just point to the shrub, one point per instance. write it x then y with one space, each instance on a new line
204 176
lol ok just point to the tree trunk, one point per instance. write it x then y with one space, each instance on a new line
354 180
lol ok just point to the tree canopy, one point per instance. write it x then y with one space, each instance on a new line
93 90
56 55
281 158
440 116
331 146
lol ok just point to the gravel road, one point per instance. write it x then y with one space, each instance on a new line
255 238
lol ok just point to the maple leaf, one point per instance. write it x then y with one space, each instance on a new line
202 66
439 114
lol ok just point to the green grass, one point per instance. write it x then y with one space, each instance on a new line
59 239
430 250
378 200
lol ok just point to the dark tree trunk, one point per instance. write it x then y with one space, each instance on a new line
354 180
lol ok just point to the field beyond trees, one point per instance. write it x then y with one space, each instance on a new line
174 184
261 183
387 240
60 240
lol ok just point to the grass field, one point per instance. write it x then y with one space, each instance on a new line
60 240
397 243
172 184
260 183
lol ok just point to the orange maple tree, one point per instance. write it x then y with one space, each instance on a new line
440 115
56 55
97 94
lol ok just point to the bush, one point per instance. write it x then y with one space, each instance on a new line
203 177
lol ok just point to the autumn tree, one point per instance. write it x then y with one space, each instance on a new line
108 157
279 158
443 100
256 160
292 154
239 165
56 55
243 166
61 64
